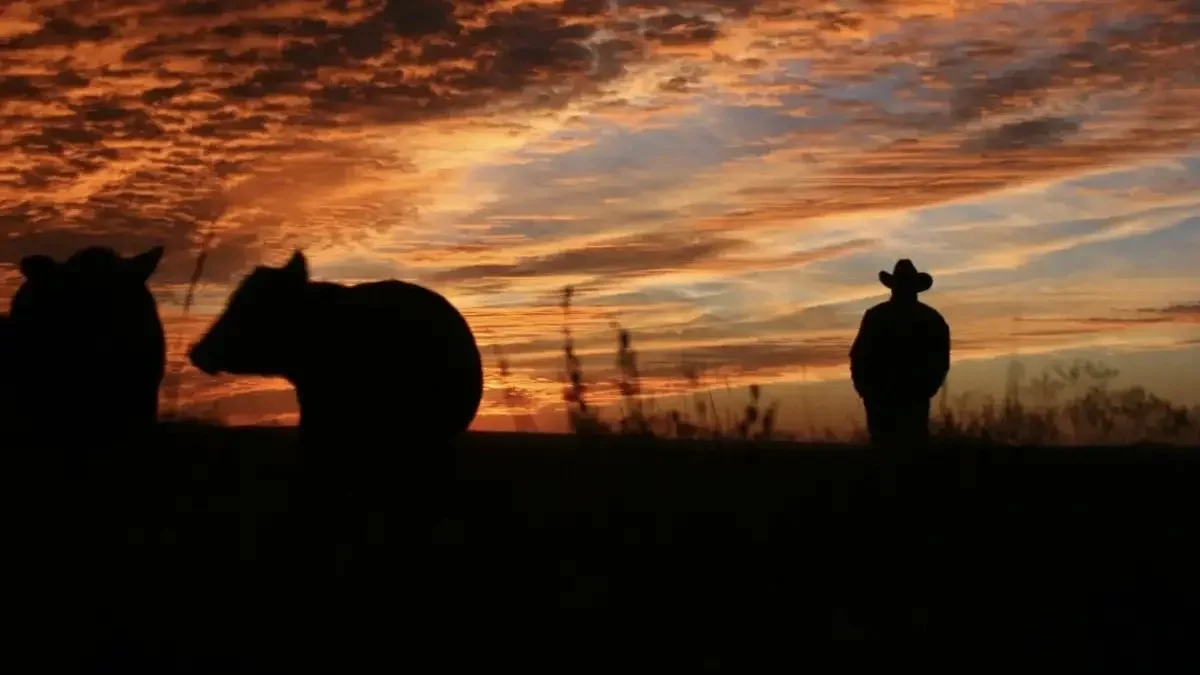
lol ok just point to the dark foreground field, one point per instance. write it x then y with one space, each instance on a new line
553 555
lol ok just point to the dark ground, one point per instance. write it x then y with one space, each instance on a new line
553 556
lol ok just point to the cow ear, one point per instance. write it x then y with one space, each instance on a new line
297 267
144 264
34 267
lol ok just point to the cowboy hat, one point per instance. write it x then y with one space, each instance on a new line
905 277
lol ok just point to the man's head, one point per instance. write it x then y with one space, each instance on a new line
253 334
905 281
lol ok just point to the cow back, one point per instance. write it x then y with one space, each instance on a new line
389 354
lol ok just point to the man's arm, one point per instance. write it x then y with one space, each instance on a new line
939 365
860 356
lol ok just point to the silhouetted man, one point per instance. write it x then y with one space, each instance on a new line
899 360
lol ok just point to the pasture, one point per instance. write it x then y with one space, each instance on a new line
574 554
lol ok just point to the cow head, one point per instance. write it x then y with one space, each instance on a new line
95 291
255 332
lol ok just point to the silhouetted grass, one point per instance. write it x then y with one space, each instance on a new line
718 556
514 398
581 417
176 374
1066 404
1070 404
639 415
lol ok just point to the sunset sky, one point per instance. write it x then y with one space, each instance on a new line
723 177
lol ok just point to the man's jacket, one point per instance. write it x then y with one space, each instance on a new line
902 351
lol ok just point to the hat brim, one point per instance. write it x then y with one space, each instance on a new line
919 282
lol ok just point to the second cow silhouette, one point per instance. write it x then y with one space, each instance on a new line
84 348
900 359
376 360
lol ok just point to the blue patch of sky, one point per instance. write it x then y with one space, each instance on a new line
778 285
1170 251
532 228
956 215
862 267
653 158
786 70
643 295
729 300
1164 252
1121 181
1060 204
359 267
1191 164
638 151
742 128
979 240
513 299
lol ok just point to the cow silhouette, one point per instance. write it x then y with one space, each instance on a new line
900 359
369 361
86 352
6 374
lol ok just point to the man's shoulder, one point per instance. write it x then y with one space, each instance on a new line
887 308
878 308
930 314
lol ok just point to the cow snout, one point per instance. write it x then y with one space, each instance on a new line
202 357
